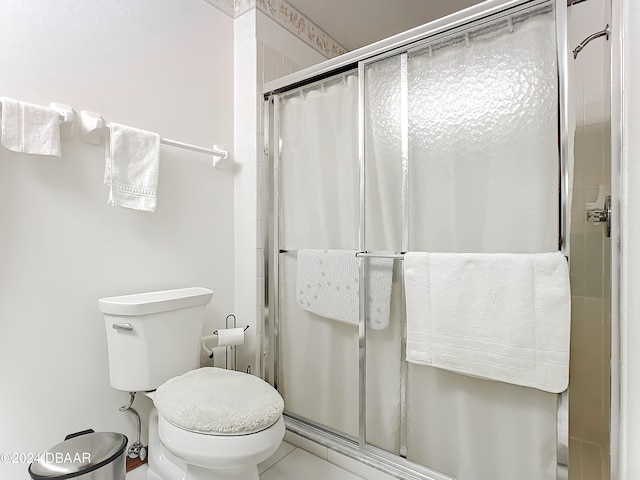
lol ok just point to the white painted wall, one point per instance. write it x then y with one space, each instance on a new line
248 288
163 66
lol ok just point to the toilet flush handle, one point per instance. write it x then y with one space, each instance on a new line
122 326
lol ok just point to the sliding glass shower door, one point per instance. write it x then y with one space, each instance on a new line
318 209
461 155
447 145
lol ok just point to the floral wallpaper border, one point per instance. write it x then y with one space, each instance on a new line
289 18
226 6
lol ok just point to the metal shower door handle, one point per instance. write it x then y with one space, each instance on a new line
602 215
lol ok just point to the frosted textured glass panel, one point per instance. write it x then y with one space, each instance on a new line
483 142
383 160
318 361
319 183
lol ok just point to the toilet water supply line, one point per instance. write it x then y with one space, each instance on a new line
136 449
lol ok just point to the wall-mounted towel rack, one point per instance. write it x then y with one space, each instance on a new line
92 127
216 151
66 118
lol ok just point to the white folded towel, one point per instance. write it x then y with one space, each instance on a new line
327 285
132 158
28 128
499 316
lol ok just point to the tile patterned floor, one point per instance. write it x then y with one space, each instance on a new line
293 463
288 463
299 464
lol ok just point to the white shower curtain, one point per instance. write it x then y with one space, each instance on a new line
319 208
319 167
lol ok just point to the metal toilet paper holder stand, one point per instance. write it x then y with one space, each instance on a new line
229 322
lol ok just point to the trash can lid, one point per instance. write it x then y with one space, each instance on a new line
79 454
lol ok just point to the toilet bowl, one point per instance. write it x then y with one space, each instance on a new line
220 457
207 423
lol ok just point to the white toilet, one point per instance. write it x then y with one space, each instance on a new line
207 423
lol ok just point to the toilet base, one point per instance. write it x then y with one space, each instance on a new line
198 473
162 464
151 475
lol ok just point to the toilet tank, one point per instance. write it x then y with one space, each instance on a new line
154 336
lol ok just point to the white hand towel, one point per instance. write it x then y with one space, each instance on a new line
499 316
327 285
132 158
28 128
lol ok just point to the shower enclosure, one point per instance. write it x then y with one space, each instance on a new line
454 138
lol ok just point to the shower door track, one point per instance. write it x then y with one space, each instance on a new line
393 464
374 457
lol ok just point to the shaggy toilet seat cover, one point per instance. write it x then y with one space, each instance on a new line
218 401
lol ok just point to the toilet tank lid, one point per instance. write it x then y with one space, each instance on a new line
154 302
